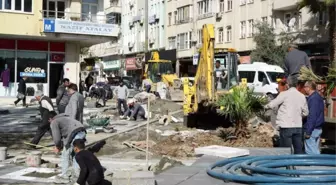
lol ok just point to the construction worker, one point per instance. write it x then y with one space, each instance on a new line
75 106
62 98
134 111
65 130
295 59
121 93
91 171
47 111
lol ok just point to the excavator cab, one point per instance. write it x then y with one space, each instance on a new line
159 68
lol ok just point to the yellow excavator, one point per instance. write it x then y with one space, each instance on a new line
159 70
202 94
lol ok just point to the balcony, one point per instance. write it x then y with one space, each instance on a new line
115 7
184 21
284 5
153 19
79 24
206 15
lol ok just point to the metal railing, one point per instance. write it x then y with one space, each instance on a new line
82 17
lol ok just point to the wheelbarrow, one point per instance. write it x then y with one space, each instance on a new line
100 124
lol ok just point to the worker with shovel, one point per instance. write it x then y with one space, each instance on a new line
65 130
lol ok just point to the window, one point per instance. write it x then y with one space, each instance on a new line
242 29
183 14
184 41
322 18
273 76
229 5
261 76
249 75
7 57
264 19
89 10
175 17
242 2
29 60
199 36
17 5
250 28
172 42
228 34
220 35
204 7
221 6
169 18
53 8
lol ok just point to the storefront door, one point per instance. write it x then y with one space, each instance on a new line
56 76
54 8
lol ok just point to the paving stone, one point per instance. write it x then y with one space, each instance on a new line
134 178
221 151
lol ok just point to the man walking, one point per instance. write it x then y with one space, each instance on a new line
65 130
315 119
121 92
292 108
91 171
75 106
62 98
295 60
47 111
22 88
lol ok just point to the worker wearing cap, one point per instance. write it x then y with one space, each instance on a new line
46 111
295 60
134 111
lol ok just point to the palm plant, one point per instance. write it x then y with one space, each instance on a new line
241 104
316 6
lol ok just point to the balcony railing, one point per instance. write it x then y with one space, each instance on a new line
184 21
82 17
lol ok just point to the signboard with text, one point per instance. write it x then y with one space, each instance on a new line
78 27
35 72
113 64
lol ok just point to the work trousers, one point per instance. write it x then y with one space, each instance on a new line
23 101
67 157
42 128
124 104
292 137
312 145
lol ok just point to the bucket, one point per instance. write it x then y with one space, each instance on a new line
3 153
34 159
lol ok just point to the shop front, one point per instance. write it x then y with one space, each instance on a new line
41 61
112 67
133 68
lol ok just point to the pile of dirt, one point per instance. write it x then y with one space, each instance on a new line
183 146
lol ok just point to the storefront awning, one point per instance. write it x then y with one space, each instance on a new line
111 65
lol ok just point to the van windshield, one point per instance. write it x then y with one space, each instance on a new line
273 76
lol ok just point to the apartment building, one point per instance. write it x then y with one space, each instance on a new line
41 40
234 22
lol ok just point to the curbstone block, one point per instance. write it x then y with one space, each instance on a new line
132 177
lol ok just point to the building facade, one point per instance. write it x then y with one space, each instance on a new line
234 22
42 40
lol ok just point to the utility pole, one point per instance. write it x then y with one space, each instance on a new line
148 114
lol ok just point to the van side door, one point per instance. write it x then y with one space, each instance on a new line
261 83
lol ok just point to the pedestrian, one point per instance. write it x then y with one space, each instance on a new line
62 98
22 91
47 111
121 93
91 171
315 119
134 111
295 60
75 106
64 131
146 84
292 108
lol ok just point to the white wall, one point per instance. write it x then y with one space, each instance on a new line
71 67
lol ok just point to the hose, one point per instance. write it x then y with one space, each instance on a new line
274 170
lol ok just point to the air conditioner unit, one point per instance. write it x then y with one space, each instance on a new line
131 3
142 20
151 40
156 17
130 23
120 52
130 44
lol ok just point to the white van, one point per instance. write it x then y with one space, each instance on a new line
261 77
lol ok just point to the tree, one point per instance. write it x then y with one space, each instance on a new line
316 6
241 104
270 47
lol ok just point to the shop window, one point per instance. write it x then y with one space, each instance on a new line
32 45
8 57
32 64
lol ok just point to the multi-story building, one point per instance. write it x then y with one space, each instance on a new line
42 39
234 22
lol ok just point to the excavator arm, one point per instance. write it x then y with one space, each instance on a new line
203 89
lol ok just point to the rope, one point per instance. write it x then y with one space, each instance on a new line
273 169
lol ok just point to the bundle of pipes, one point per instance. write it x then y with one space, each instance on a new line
275 169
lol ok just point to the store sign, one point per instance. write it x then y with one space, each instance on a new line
130 64
77 27
33 72
55 57
113 64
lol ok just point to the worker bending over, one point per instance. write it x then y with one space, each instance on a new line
91 171
134 111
